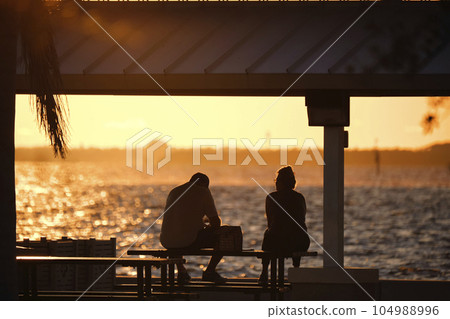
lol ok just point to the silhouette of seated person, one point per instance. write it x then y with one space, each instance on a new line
284 233
191 221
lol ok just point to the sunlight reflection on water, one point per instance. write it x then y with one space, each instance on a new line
397 222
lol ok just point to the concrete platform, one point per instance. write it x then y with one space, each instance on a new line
333 275
334 284
425 290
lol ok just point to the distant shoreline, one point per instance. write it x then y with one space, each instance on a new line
435 155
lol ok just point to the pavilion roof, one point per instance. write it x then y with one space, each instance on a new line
247 48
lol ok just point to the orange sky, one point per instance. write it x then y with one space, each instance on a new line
108 121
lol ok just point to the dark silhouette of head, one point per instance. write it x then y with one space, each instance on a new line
200 179
285 178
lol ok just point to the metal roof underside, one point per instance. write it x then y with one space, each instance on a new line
252 48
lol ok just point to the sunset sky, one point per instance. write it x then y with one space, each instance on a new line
108 121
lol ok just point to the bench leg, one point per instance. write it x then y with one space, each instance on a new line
34 281
148 281
281 278
26 281
296 261
164 277
140 282
172 277
273 278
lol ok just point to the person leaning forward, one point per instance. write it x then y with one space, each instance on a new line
189 208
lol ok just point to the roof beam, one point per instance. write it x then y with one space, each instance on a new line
250 84
353 50
235 46
158 44
192 49
375 32
275 47
114 47
330 36
73 48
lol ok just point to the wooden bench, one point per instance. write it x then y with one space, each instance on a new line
144 283
276 282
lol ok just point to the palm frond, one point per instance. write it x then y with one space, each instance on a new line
42 66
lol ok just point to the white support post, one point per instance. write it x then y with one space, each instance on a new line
333 196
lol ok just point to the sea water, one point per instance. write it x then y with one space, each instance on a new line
397 221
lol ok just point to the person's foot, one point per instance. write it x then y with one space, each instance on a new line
263 279
214 277
183 278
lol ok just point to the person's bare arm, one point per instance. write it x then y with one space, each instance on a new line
211 211
215 222
269 211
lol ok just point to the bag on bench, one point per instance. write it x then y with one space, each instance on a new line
229 238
